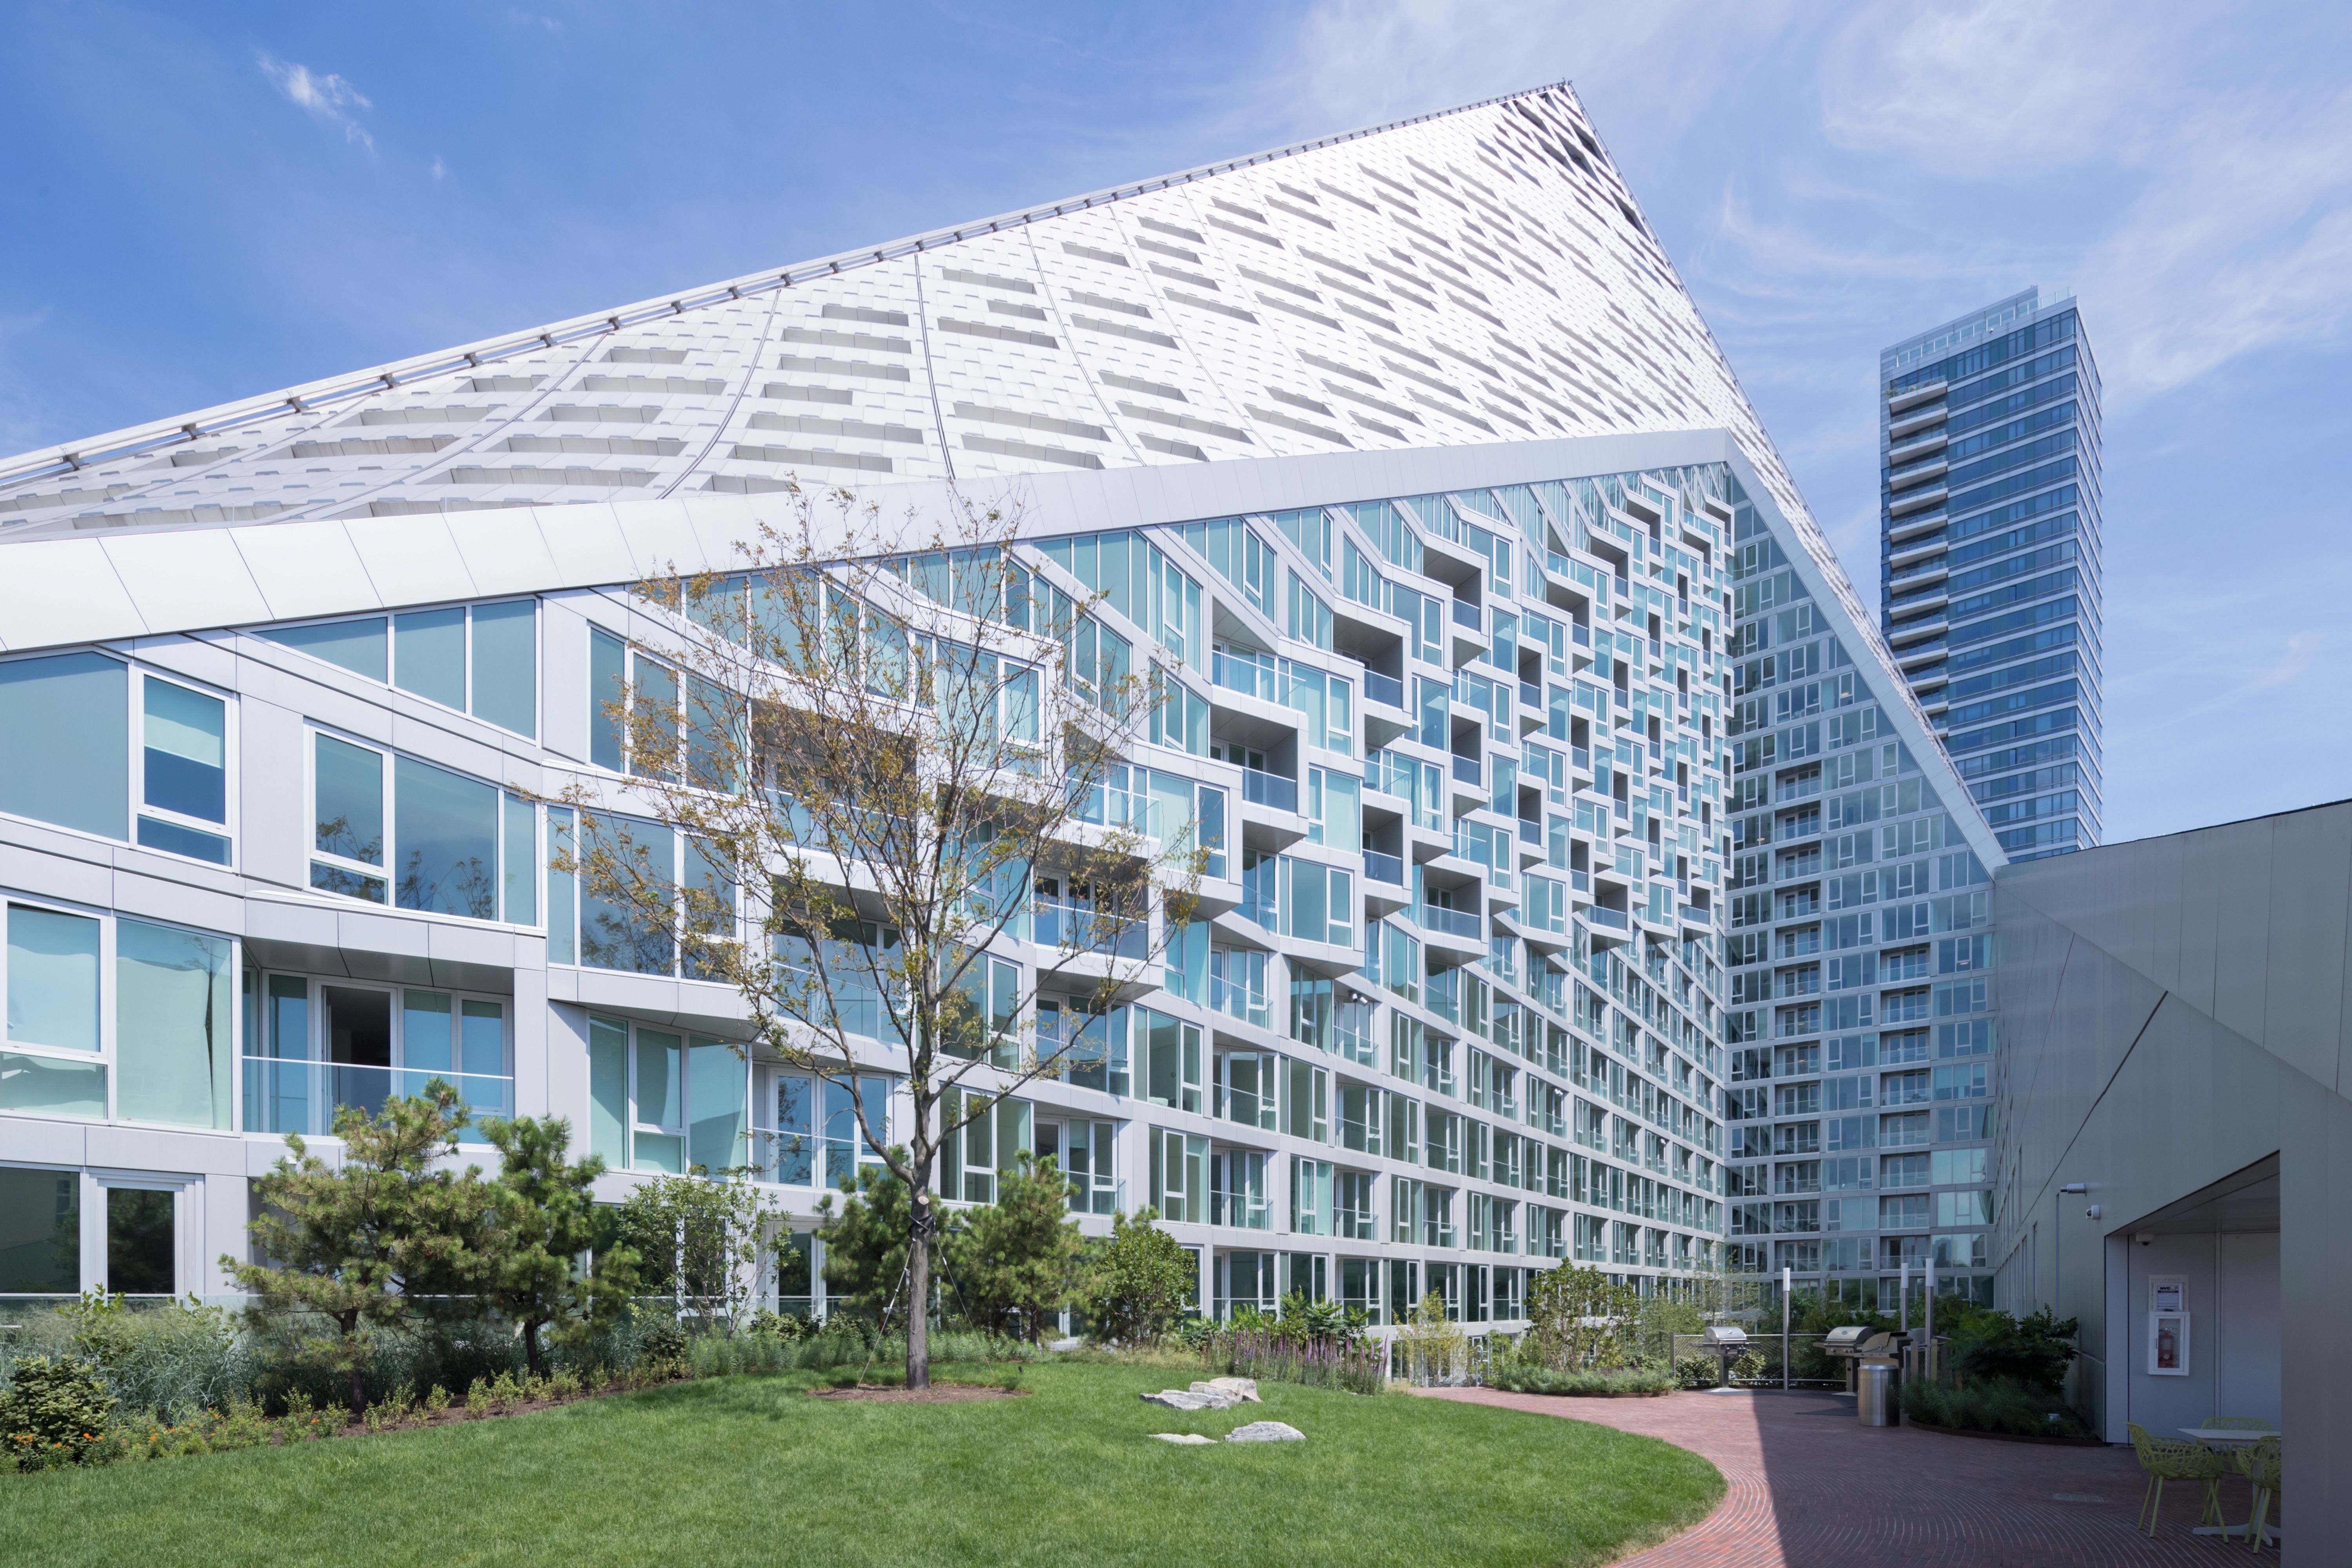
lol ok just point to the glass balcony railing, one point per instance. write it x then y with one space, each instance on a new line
1250 677
1465 613
1379 867
295 1096
1531 694
1613 919
1083 929
1453 923
1466 770
1384 690
1261 788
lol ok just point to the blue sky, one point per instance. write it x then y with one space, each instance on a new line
213 202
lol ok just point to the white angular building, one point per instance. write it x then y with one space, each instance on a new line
1435 486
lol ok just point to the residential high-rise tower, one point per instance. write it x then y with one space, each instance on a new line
1989 557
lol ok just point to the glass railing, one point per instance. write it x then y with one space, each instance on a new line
1465 613
1530 832
1059 923
1250 677
1453 923
1531 694
295 1096
1386 690
1614 920
1379 867
1466 769
1261 788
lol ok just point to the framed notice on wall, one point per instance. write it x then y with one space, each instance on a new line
2168 1293
2167 1344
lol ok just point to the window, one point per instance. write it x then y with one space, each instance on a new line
184 771
481 660
1351 1214
171 1017
974 1155
1313 1197
815 1139
64 756
1180 1176
40 1232
1087 1040
659 1100
458 846
1237 1188
312 1045
1089 1155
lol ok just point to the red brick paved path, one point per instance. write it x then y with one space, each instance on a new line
1809 1487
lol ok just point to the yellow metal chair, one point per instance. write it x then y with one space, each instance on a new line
2260 1464
2177 1459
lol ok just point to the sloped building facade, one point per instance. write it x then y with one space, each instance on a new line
1403 454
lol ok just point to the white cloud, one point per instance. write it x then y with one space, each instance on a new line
327 97
440 171
2185 166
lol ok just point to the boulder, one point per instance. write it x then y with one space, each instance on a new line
1188 1438
1183 1399
1265 1432
1243 1389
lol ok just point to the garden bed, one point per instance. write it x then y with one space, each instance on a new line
2008 1437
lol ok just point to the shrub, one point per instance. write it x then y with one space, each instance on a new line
1994 1347
1698 1372
53 1412
1522 1377
2003 1406
1138 1280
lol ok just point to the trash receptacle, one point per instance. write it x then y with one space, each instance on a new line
1874 1395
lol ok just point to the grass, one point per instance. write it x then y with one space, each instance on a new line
749 1469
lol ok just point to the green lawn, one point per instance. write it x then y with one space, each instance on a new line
749 1469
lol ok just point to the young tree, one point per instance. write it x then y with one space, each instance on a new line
386 1238
697 1242
865 1245
546 1220
1012 1259
883 750
1140 1279
1578 1318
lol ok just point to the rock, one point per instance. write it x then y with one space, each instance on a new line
1265 1432
1243 1389
1182 1399
1188 1438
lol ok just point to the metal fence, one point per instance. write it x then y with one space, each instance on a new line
1807 1365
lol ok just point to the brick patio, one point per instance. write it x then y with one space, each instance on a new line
1811 1488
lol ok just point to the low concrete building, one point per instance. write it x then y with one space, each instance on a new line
2175 1143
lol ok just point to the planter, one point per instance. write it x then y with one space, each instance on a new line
2008 1437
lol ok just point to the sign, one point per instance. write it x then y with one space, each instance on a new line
2166 1292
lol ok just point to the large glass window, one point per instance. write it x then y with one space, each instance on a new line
40 1232
52 978
173 1025
457 847
64 754
660 1100
142 1241
481 660
815 1139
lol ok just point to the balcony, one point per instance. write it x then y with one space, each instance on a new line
1919 473
1899 402
1607 920
1914 500
1379 867
1090 934
1903 425
1452 922
293 1096
1466 770
1909 578
1384 690
1904 637
1920 653
1903 528
1272 790
1531 695
1465 613
1906 451
1250 677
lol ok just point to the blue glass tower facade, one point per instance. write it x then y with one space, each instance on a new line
1991 558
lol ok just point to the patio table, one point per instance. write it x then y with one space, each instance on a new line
2230 1438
